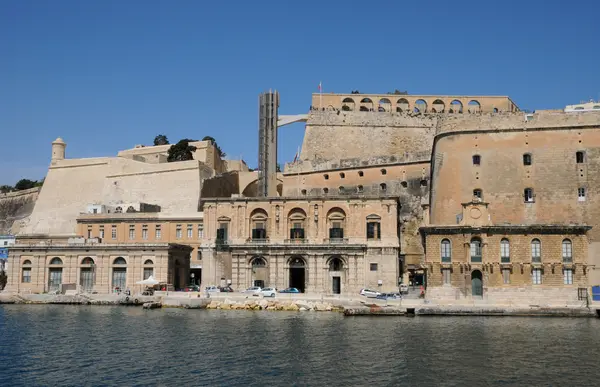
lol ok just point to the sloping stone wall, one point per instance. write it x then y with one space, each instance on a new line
14 207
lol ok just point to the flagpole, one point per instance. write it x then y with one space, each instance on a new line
320 95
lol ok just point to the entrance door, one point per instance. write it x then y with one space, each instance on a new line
86 279
297 274
54 280
476 283
119 279
337 285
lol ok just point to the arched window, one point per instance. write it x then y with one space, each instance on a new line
420 106
446 250
475 250
348 104
148 262
118 210
120 261
56 261
527 159
495 110
504 251
438 106
402 105
536 251
474 106
336 264
385 105
383 171
325 191
456 106
383 186
26 262
567 251
296 223
130 209
258 224
87 261
259 262
148 269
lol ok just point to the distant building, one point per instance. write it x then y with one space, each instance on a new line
590 106
5 242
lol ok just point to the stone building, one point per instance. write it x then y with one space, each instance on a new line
326 246
90 266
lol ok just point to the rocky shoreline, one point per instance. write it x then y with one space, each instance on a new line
263 304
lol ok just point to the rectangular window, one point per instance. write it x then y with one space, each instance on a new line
89 233
536 276
131 232
190 231
568 276
144 232
504 251
581 194
157 232
178 232
373 266
506 276
102 232
113 232
446 274
528 195
446 251
580 157
222 232
373 230
148 271
26 277
200 231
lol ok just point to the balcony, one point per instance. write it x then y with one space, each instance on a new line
258 241
296 241
504 259
476 259
336 240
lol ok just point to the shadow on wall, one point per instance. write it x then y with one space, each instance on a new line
221 186
15 206
251 189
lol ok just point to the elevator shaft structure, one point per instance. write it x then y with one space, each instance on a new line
267 143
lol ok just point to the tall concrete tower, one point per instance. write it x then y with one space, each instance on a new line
267 143
58 149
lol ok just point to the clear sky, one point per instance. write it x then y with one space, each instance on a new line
107 75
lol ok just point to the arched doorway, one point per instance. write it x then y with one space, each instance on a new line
55 274
476 283
298 274
260 272
86 274
119 275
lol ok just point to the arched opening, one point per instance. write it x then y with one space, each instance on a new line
258 224
119 275
348 104
26 271
446 251
456 107
364 109
385 105
475 250
474 106
55 275
420 106
297 273
130 209
148 269
527 159
296 224
536 251
336 272
366 103
495 110
87 274
476 283
260 272
336 220
402 105
504 251
438 106
567 251
118 210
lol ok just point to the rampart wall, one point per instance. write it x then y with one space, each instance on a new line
14 207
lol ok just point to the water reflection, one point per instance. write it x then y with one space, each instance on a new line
81 345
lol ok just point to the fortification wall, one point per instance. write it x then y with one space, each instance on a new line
14 207
73 184
554 174
337 136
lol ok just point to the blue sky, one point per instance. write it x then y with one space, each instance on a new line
106 75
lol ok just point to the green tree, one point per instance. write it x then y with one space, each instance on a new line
161 139
6 188
25 184
214 142
181 151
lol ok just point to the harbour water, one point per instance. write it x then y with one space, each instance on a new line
51 345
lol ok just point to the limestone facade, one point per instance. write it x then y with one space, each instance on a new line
332 245
95 267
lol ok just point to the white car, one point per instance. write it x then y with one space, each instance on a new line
254 290
212 289
268 292
369 293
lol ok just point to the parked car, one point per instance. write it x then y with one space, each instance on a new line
403 289
289 290
212 289
369 293
254 290
389 296
192 288
268 292
226 289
